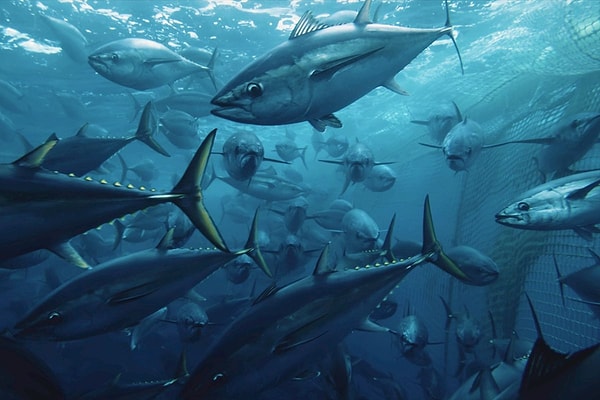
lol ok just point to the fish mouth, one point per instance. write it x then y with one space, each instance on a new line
97 63
234 113
508 219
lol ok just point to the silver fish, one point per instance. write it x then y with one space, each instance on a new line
307 77
141 63
571 202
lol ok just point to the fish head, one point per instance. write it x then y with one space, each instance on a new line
584 124
238 270
468 332
413 333
191 319
359 161
462 145
243 155
538 211
263 94
117 65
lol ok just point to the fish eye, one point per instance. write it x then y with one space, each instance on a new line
522 206
115 57
254 89
55 317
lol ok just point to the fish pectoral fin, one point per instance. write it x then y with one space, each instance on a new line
326 70
152 62
370 326
65 251
434 146
307 375
288 343
394 87
134 293
328 120
580 194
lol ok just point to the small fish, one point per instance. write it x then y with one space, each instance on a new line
81 154
71 40
180 128
441 122
480 269
289 151
141 63
565 203
380 179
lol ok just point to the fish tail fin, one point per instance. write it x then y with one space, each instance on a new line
433 249
119 232
191 199
303 156
252 243
387 242
146 129
450 34
211 67
559 279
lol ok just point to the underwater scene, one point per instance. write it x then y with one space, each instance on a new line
290 199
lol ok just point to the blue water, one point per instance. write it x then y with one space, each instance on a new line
491 35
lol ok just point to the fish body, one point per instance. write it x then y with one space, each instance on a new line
331 218
441 122
572 202
360 231
42 209
267 187
141 63
180 128
288 328
196 104
320 70
289 151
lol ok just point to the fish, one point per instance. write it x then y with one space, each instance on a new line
267 187
24 375
384 310
441 122
585 282
571 139
294 215
413 336
13 99
243 153
145 327
289 151
42 209
358 162
287 327
141 64
552 375
71 40
237 271
463 144
570 202
197 104
190 320
307 77
180 128
331 218
360 231
468 332
119 293
81 154
380 179
202 57
480 269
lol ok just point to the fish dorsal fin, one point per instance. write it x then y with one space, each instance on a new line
363 15
82 130
459 116
269 291
52 137
323 267
307 24
581 193
166 242
35 157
